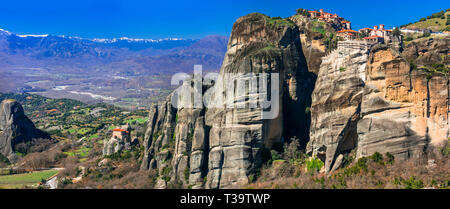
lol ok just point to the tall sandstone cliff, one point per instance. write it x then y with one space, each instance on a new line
388 106
221 146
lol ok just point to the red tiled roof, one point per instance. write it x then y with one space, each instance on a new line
345 21
121 130
313 12
366 29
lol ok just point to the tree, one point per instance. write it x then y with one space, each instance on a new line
292 151
396 32
303 12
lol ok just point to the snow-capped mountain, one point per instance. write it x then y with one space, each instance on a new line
114 40
68 46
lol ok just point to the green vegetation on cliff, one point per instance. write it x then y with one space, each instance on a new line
278 21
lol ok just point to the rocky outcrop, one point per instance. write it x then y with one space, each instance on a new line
220 144
390 104
404 110
240 137
336 103
315 45
428 51
16 129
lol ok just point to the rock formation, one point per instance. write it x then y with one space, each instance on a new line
219 146
382 106
315 45
358 99
16 128
336 103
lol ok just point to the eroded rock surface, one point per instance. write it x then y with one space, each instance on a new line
404 110
16 128
396 103
220 146
336 104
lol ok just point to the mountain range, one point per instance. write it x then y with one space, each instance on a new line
101 68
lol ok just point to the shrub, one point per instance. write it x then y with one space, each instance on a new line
314 165
396 32
342 69
446 148
251 178
4 160
285 170
390 159
377 157
275 155
166 170
439 67
307 110
362 163
187 172
413 183
426 34
348 159
292 151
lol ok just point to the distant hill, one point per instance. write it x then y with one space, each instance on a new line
436 22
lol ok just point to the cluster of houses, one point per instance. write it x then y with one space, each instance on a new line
323 16
377 34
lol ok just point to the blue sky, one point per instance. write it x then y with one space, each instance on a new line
188 19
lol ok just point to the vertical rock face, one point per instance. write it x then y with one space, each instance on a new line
221 145
336 104
159 133
175 142
239 137
315 45
15 128
382 106
404 110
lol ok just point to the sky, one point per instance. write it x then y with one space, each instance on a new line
189 19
